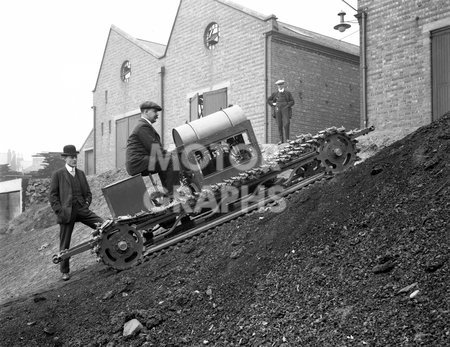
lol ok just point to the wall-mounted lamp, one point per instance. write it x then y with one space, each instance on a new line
342 26
361 16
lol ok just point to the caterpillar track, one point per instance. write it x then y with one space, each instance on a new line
125 241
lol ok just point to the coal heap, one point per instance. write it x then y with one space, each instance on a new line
361 259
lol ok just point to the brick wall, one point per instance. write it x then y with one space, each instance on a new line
87 145
236 63
398 59
144 84
325 87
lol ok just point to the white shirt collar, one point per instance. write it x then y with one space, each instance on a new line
147 121
70 168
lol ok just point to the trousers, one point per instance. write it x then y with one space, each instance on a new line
169 176
284 123
80 213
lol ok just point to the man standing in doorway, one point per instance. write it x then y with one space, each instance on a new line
70 197
281 102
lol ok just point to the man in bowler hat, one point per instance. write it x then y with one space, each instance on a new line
145 154
281 102
70 197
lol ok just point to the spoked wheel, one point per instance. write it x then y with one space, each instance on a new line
121 247
242 154
337 153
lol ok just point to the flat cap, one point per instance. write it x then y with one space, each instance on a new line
150 104
279 82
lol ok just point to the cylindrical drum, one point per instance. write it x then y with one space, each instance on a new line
214 123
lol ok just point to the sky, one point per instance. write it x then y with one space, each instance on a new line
52 51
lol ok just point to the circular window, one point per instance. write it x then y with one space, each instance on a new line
212 35
125 71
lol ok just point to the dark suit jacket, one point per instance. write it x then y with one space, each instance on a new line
284 106
139 147
60 196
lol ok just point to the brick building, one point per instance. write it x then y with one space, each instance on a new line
407 61
11 199
218 54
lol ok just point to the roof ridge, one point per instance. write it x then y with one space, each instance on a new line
318 38
246 10
136 41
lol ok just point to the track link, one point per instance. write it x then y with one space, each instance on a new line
229 217
300 163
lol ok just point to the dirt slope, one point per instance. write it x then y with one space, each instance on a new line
359 260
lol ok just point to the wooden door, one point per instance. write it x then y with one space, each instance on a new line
440 60
214 101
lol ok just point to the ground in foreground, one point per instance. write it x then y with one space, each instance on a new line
359 260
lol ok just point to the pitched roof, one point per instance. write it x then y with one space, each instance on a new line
91 133
150 47
320 39
297 32
159 50
155 49
246 10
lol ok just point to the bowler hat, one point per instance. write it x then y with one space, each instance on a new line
150 104
69 150
279 82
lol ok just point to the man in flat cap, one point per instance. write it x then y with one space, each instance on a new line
145 154
281 102
70 197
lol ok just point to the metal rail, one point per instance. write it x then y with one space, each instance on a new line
221 220
333 149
